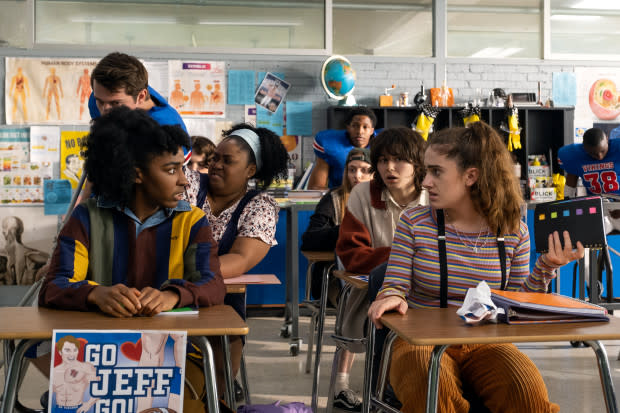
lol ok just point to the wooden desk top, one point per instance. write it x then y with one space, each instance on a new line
442 326
319 255
33 322
353 279
238 285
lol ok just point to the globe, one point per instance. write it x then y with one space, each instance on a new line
338 77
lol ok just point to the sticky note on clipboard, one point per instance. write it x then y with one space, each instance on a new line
581 217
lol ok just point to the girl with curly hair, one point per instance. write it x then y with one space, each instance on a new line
475 201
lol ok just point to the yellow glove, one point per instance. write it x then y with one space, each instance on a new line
559 181
514 137
467 120
423 125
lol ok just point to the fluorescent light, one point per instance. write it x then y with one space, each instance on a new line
598 4
248 23
124 20
573 17
496 52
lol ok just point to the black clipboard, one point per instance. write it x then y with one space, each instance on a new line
581 217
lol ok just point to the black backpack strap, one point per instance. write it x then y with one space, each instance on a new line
502 257
443 259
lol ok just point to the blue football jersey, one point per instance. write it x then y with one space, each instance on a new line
598 177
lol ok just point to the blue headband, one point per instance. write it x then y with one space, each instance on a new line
251 138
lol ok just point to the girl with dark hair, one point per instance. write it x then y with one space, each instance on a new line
367 229
243 220
475 200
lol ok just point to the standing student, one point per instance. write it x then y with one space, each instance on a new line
332 146
137 248
367 229
322 232
474 193
243 219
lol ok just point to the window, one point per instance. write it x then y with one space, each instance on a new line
383 28
587 28
15 23
275 24
494 29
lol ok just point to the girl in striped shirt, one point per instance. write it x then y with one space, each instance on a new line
469 180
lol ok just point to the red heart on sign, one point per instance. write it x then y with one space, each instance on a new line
132 351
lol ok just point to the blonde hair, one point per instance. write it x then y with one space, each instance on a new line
496 193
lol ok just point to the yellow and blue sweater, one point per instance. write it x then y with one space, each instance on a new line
101 245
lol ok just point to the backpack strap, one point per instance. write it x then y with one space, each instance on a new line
202 191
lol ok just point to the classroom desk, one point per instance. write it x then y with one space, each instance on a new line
237 285
290 328
441 327
32 325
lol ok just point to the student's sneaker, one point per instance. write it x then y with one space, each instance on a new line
348 400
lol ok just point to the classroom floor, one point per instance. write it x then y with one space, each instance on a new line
570 373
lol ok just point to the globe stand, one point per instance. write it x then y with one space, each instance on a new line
348 101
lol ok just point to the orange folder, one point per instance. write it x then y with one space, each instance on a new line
527 308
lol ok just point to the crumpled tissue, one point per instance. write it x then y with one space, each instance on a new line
478 306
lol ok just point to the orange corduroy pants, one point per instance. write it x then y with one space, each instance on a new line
504 378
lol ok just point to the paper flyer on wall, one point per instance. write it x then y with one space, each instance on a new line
47 90
120 371
44 143
71 156
197 88
271 92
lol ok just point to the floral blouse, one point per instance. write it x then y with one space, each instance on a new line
258 219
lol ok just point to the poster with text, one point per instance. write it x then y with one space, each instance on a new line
44 143
47 90
71 156
25 243
197 88
123 371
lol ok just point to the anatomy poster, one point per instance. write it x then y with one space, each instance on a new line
25 243
47 90
71 156
117 371
598 96
197 88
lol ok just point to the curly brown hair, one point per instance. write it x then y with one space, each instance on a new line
496 194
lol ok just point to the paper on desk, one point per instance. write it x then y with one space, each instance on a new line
478 306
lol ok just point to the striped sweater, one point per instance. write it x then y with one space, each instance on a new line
413 268
99 246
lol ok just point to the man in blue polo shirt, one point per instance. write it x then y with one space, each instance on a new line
332 146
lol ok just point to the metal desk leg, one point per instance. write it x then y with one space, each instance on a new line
208 366
292 277
319 339
230 390
14 373
370 351
433 379
606 381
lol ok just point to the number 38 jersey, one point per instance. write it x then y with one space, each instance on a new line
598 176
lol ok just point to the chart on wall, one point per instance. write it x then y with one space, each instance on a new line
71 156
25 244
47 90
197 88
